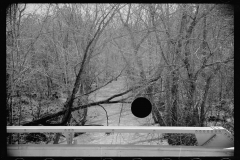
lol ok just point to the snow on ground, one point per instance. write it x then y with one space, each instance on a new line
96 115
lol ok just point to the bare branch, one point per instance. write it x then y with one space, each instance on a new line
152 12
204 14
102 85
211 64
105 112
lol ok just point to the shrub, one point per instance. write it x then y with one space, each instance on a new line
185 139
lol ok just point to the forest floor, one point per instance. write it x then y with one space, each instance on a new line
118 115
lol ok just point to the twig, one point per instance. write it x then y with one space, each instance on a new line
105 112
211 64
120 114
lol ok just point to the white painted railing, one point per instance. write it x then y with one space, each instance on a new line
212 141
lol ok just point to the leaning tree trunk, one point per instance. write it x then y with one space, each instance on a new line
103 22
69 103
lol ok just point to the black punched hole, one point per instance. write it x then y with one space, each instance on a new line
141 107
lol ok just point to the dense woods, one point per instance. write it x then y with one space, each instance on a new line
179 56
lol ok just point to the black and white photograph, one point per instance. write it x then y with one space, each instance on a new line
111 80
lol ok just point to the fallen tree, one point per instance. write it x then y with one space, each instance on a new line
43 120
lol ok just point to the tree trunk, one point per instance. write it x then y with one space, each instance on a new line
57 137
10 120
174 92
49 86
204 45
188 65
202 106
168 101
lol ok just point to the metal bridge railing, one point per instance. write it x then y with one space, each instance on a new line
212 141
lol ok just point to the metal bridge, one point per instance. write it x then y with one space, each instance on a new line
212 141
